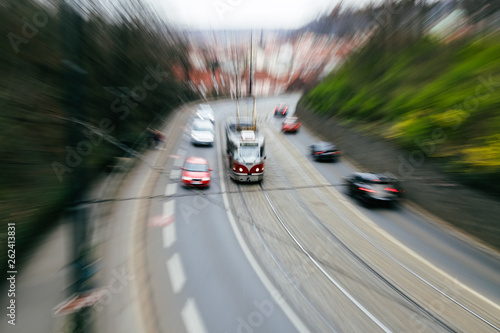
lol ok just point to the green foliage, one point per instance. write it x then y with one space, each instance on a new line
413 90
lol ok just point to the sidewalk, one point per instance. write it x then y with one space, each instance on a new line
43 282
40 286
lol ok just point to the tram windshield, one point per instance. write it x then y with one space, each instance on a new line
249 153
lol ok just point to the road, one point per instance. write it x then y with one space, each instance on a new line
444 249
297 254
292 255
202 278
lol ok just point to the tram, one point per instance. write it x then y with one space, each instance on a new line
245 148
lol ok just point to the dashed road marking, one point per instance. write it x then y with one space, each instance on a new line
169 208
176 273
191 318
169 235
171 189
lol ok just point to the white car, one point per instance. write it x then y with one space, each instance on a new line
202 132
205 112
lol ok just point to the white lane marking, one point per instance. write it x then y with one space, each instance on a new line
181 152
169 208
171 189
275 294
178 162
176 273
169 235
175 174
191 318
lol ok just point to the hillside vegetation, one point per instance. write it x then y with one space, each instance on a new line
441 101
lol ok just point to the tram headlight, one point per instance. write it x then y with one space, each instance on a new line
240 169
257 170
205 179
187 178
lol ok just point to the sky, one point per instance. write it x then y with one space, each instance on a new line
245 14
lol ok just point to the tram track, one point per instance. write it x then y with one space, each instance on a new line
325 271
292 187
362 262
305 206
281 266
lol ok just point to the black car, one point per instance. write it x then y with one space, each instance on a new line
281 110
324 151
373 188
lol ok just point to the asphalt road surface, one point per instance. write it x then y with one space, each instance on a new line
203 280
217 263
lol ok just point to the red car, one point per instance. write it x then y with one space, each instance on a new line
281 110
291 125
195 172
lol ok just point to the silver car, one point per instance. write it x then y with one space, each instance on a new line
202 132
205 112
